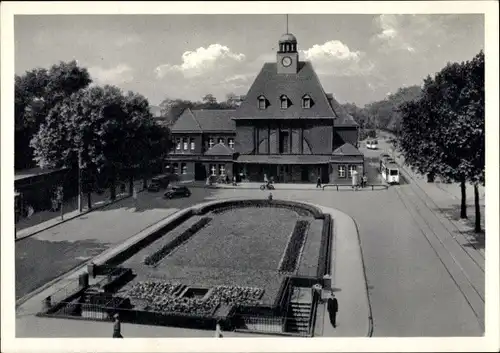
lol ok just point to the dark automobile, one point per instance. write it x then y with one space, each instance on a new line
158 182
177 191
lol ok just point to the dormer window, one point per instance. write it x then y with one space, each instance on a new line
262 101
306 102
284 102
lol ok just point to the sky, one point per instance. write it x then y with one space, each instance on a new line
358 58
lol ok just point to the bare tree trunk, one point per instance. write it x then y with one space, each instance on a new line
477 227
131 185
112 187
463 205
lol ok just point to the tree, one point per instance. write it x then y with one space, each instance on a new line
442 132
209 98
98 130
36 93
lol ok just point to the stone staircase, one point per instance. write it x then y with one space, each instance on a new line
299 311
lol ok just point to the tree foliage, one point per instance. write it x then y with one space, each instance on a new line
36 93
109 131
442 131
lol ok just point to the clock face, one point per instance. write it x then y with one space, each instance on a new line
286 61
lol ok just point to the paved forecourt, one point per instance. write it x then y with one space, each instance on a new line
410 291
349 286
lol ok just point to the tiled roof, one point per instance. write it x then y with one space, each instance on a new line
283 159
347 150
272 85
343 117
219 150
204 120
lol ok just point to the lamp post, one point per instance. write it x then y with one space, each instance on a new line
80 204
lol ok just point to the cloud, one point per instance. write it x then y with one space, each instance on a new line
411 33
119 74
335 58
202 61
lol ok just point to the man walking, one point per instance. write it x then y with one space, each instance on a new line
117 329
333 307
318 182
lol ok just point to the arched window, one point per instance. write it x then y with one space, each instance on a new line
262 102
284 102
306 101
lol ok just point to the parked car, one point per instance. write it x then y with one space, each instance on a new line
158 182
177 191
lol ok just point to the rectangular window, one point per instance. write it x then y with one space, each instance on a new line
183 168
210 142
306 103
394 172
213 169
185 143
191 143
220 140
175 168
222 169
231 143
177 144
284 104
341 169
352 168
262 104
284 142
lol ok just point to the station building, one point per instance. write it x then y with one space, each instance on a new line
287 128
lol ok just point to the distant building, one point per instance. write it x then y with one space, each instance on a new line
286 127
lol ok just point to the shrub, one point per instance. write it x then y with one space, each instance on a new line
294 246
324 258
165 250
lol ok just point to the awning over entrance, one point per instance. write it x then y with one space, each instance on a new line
283 159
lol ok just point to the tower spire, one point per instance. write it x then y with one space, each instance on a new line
287 23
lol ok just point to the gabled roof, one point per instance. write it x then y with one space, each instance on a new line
343 117
205 120
272 85
186 122
347 150
219 150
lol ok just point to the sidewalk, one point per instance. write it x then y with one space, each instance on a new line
348 283
28 227
350 289
282 186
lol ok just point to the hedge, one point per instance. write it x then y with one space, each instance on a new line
228 204
324 259
154 258
292 251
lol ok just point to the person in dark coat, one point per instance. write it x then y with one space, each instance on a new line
333 308
117 327
318 182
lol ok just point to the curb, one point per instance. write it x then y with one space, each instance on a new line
73 217
79 266
370 317
384 187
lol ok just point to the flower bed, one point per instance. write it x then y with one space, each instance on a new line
150 290
292 252
154 258
161 297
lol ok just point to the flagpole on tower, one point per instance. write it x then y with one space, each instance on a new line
287 23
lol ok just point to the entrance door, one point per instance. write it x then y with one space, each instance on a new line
304 175
200 173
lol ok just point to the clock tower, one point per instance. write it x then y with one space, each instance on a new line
287 56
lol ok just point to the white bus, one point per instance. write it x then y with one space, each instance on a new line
372 144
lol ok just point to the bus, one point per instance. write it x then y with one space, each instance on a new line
372 144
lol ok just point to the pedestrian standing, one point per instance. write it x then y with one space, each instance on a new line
355 180
365 180
266 181
333 308
318 183
134 195
218 330
117 327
